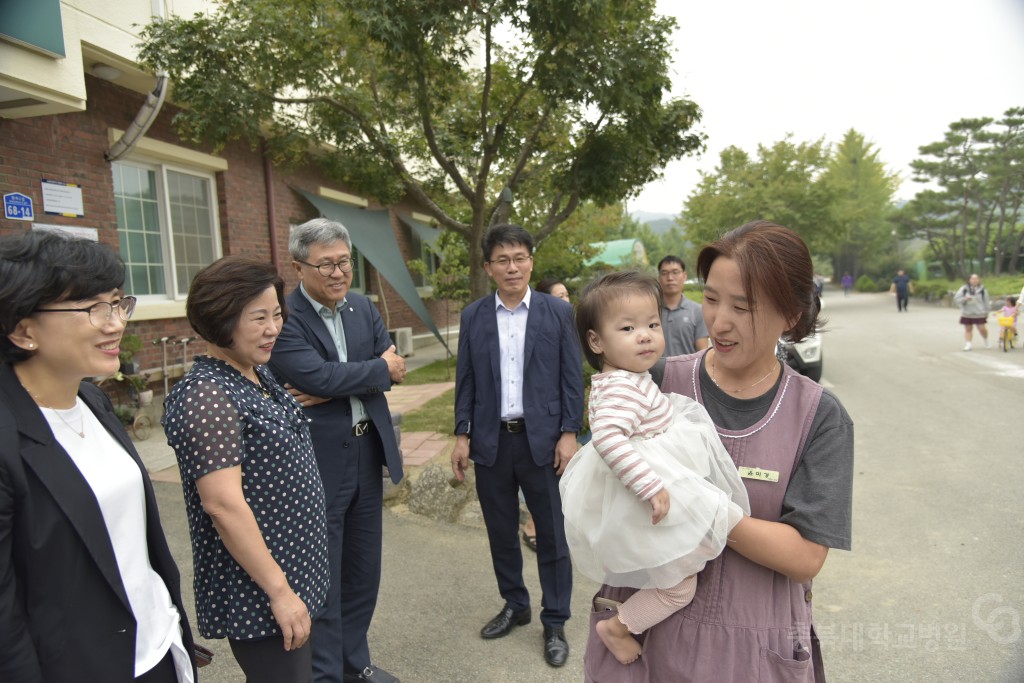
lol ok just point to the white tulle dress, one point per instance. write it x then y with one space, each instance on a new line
644 440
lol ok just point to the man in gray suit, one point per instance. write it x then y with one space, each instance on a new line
335 354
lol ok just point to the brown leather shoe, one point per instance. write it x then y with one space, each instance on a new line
507 618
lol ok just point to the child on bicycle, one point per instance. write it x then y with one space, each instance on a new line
1009 311
654 495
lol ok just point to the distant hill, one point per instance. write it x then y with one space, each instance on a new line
657 222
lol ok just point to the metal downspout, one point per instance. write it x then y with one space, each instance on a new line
143 120
268 187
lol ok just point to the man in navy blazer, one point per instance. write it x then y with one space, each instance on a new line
335 354
518 408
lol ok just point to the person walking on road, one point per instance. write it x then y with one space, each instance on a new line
902 287
847 282
972 298
518 408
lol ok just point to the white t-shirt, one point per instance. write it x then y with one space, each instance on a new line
116 481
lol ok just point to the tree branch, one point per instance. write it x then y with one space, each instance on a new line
379 141
428 131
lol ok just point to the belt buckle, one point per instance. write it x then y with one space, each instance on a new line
361 428
515 426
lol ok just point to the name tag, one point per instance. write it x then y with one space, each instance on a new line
759 474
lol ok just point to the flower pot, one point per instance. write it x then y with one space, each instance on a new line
145 397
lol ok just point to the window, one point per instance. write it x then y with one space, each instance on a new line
421 250
358 271
167 223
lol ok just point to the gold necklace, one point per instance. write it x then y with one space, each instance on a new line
80 432
736 391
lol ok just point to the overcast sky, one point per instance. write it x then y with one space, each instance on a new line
898 71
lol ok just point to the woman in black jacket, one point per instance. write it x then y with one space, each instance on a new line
88 588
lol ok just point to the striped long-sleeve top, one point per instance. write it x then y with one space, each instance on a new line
624 405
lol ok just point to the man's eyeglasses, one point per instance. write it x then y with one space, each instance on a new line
327 269
670 273
100 313
505 261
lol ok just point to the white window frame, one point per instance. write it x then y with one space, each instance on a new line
170 268
161 157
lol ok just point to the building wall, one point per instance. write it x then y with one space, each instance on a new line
70 147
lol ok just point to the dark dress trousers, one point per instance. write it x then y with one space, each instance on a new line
350 466
552 404
64 613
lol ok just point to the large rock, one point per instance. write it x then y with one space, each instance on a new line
438 495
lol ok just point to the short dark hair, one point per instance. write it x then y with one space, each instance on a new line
42 267
776 267
602 291
671 259
505 233
548 283
221 291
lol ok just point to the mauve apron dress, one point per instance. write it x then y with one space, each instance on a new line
746 622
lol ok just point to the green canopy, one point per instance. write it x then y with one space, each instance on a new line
374 237
426 233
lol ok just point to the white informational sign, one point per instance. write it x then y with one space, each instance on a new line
62 199
18 207
75 231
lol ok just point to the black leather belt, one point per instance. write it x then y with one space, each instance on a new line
360 428
514 426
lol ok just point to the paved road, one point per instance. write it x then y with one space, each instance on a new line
934 587
931 592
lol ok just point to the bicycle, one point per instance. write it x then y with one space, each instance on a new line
1007 332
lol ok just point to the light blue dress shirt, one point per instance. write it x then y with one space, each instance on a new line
332 321
512 342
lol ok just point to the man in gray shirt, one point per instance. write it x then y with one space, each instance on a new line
681 319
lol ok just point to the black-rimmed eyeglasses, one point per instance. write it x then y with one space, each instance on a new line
101 312
327 269
505 261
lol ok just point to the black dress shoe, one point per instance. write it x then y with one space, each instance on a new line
556 647
507 618
372 674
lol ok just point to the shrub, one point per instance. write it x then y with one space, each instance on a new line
932 290
865 284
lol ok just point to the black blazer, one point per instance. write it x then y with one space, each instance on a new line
552 377
64 613
305 356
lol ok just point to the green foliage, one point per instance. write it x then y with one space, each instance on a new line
443 103
865 284
933 290
782 184
438 371
436 415
451 278
130 345
976 212
125 414
861 193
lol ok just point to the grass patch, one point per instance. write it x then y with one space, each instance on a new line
438 371
436 415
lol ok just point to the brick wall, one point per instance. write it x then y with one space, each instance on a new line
70 148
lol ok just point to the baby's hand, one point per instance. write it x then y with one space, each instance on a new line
660 504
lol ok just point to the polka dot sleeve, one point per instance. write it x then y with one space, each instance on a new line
205 430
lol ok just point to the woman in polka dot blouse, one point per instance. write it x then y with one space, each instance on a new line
252 489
